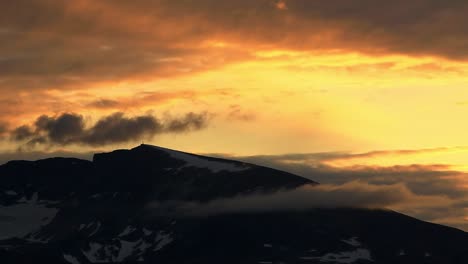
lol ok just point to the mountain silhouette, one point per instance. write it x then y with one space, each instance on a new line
65 210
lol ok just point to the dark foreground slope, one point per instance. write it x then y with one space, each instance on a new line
75 211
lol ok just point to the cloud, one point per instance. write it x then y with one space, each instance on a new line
428 197
3 128
89 42
236 113
70 128
421 27
435 193
189 122
63 129
152 98
118 128
104 103
349 195
337 156
421 179
92 44
22 133
85 43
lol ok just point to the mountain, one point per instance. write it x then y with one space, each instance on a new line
103 211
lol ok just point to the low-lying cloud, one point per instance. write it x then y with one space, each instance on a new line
349 195
434 192
71 128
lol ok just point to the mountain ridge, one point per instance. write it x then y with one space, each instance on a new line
66 210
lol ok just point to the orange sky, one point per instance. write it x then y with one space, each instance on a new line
275 76
269 77
258 77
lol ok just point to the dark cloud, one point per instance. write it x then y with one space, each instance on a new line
428 27
47 43
87 42
189 122
63 129
22 133
118 128
70 128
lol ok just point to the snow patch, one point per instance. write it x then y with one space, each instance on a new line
126 250
96 196
352 241
92 254
267 245
199 162
71 259
37 238
162 240
147 232
136 248
25 217
101 253
120 250
344 257
96 229
128 230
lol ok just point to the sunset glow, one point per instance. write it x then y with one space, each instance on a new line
241 78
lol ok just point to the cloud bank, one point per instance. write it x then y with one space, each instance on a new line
349 195
435 193
71 128
87 42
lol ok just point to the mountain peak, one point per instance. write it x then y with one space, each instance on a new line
181 175
193 160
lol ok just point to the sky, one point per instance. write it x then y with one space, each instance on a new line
364 91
